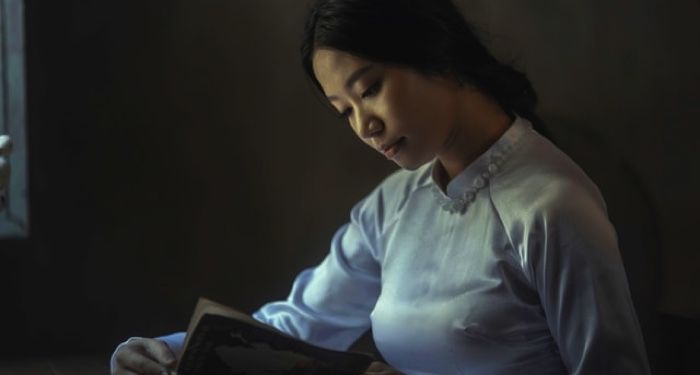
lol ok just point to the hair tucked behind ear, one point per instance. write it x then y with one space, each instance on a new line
429 36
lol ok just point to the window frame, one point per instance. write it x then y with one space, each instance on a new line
14 221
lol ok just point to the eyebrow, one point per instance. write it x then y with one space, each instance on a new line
353 78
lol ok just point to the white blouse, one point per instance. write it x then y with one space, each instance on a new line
514 269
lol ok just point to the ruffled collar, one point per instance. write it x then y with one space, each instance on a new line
462 189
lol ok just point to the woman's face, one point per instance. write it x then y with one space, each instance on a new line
402 114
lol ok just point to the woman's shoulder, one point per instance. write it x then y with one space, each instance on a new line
405 182
391 194
539 178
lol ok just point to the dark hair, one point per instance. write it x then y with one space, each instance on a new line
430 36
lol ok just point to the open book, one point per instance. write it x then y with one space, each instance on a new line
221 340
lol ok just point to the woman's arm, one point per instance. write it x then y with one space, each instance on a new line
174 341
578 272
329 305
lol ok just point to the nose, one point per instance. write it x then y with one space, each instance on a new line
370 127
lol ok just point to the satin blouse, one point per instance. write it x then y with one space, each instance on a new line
514 268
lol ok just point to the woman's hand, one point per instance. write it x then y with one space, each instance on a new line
142 356
5 149
381 368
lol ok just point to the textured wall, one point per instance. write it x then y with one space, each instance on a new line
177 151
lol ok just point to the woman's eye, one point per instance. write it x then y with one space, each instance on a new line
372 90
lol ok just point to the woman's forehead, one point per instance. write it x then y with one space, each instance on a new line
332 67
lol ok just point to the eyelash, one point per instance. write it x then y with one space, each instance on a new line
371 91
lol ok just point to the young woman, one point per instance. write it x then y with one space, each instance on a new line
488 252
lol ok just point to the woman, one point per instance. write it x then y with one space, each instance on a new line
489 252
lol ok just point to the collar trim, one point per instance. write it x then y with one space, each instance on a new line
460 193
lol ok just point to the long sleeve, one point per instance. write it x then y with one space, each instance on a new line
575 265
175 342
330 304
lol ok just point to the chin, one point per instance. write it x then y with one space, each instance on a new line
411 165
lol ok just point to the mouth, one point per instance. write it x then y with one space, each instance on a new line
392 149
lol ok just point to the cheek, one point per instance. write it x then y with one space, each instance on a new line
420 111
433 115
418 123
403 111
412 107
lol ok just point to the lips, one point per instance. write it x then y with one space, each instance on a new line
392 149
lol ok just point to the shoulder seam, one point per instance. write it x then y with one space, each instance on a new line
515 255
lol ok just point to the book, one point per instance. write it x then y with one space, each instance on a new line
222 340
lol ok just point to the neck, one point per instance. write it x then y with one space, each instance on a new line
479 123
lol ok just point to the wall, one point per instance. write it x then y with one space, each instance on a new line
176 150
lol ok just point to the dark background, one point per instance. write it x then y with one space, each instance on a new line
177 150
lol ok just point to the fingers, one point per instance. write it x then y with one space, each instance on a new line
159 351
129 372
144 365
381 368
5 145
142 356
374 367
